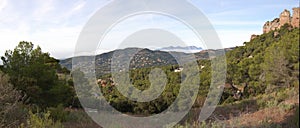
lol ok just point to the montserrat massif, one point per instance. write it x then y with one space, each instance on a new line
284 18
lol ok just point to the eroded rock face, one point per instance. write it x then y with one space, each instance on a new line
284 18
295 18
275 34
273 25
253 36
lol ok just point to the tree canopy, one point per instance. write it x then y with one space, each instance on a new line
35 74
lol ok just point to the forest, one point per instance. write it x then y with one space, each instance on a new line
36 91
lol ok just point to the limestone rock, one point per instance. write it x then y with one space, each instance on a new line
275 34
284 18
253 36
273 25
295 18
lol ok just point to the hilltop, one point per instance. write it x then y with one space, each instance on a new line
261 88
284 18
268 64
143 58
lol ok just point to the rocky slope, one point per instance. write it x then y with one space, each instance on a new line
284 18
142 58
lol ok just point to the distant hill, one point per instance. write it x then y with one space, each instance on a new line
143 58
187 49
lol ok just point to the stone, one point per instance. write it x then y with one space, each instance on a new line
273 25
284 18
275 34
253 36
295 19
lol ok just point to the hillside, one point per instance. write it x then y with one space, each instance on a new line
143 58
269 64
256 85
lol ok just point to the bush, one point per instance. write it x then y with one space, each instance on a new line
41 120
78 116
295 119
209 124
11 111
58 113
286 107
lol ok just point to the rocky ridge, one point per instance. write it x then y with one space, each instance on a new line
284 18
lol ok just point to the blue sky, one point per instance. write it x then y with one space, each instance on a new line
55 24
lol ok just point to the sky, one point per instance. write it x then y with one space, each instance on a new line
55 25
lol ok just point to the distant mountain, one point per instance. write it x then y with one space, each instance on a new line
187 49
140 58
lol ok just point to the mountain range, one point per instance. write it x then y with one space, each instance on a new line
140 58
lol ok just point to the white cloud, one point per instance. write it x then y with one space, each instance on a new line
231 38
79 5
3 3
74 9
59 42
55 25
44 8
134 24
46 23
236 23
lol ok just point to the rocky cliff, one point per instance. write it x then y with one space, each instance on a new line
284 18
295 19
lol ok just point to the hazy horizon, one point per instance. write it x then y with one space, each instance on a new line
55 25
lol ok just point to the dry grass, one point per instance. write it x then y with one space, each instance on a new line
278 114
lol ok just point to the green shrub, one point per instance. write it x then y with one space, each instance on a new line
78 116
210 124
271 103
58 113
12 112
285 107
229 100
295 119
41 120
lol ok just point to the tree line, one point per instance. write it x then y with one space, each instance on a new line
31 77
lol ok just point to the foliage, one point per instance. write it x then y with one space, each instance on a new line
203 124
270 66
58 113
295 119
41 120
266 63
34 73
11 113
78 116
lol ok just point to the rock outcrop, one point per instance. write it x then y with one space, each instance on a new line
271 25
253 36
295 18
284 18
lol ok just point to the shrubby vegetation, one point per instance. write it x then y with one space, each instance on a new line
267 62
11 109
35 74
32 81
38 90
41 120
